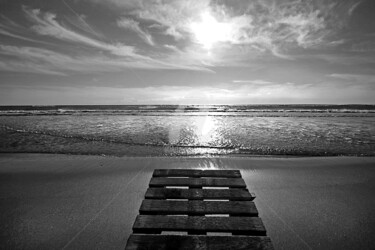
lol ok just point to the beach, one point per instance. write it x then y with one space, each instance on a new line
56 201
96 95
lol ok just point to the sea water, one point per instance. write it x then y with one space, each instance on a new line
174 130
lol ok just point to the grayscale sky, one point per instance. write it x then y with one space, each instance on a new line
187 52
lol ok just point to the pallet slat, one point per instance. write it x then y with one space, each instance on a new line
195 207
197 182
196 173
188 242
199 194
164 210
238 225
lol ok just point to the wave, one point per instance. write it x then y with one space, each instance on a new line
107 146
170 110
237 113
107 140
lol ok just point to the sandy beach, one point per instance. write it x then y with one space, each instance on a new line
95 95
90 202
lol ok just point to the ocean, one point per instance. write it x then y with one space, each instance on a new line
190 130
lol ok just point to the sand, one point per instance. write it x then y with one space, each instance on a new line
90 202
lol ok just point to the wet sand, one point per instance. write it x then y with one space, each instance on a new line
90 202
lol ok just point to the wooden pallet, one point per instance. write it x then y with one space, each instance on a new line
208 209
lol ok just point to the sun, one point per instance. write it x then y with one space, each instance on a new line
209 31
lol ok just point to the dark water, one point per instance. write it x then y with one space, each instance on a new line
163 130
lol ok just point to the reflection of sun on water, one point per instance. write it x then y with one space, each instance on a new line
199 134
206 129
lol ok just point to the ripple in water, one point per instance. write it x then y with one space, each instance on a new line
189 134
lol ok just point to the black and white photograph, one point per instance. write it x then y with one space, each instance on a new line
187 124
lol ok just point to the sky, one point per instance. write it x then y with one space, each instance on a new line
187 52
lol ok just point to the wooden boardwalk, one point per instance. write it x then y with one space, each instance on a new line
198 209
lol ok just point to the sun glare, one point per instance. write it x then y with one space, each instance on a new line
209 31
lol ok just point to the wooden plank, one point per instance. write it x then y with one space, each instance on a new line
199 194
196 173
197 182
189 242
237 225
194 207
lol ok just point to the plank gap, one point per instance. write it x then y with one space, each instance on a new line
219 234
224 200
196 232
174 233
168 242
217 215
211 177
177 187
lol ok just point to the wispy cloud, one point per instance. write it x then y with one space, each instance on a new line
174 17
241 94
270 25
356 58
275 27
9 21
354 7
46 24
9 34
80 21
44 61
355 78
121 40
256 82
27 67
254 28
130 24
364 46
11 29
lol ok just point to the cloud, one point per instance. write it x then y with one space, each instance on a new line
264 25
44 61
174 16
25 67
364 46
11 29
302 28
275 93
7 33
130 24
282 93
342 58
258 29
354 7
35 60
181 95
256 82
9 22
46 24
355 78
80 22
275 27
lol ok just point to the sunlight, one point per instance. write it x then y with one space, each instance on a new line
209 31
206 129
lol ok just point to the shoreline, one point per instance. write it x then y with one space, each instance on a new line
91 201
191 156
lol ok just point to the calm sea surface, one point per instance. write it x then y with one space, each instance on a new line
312 130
